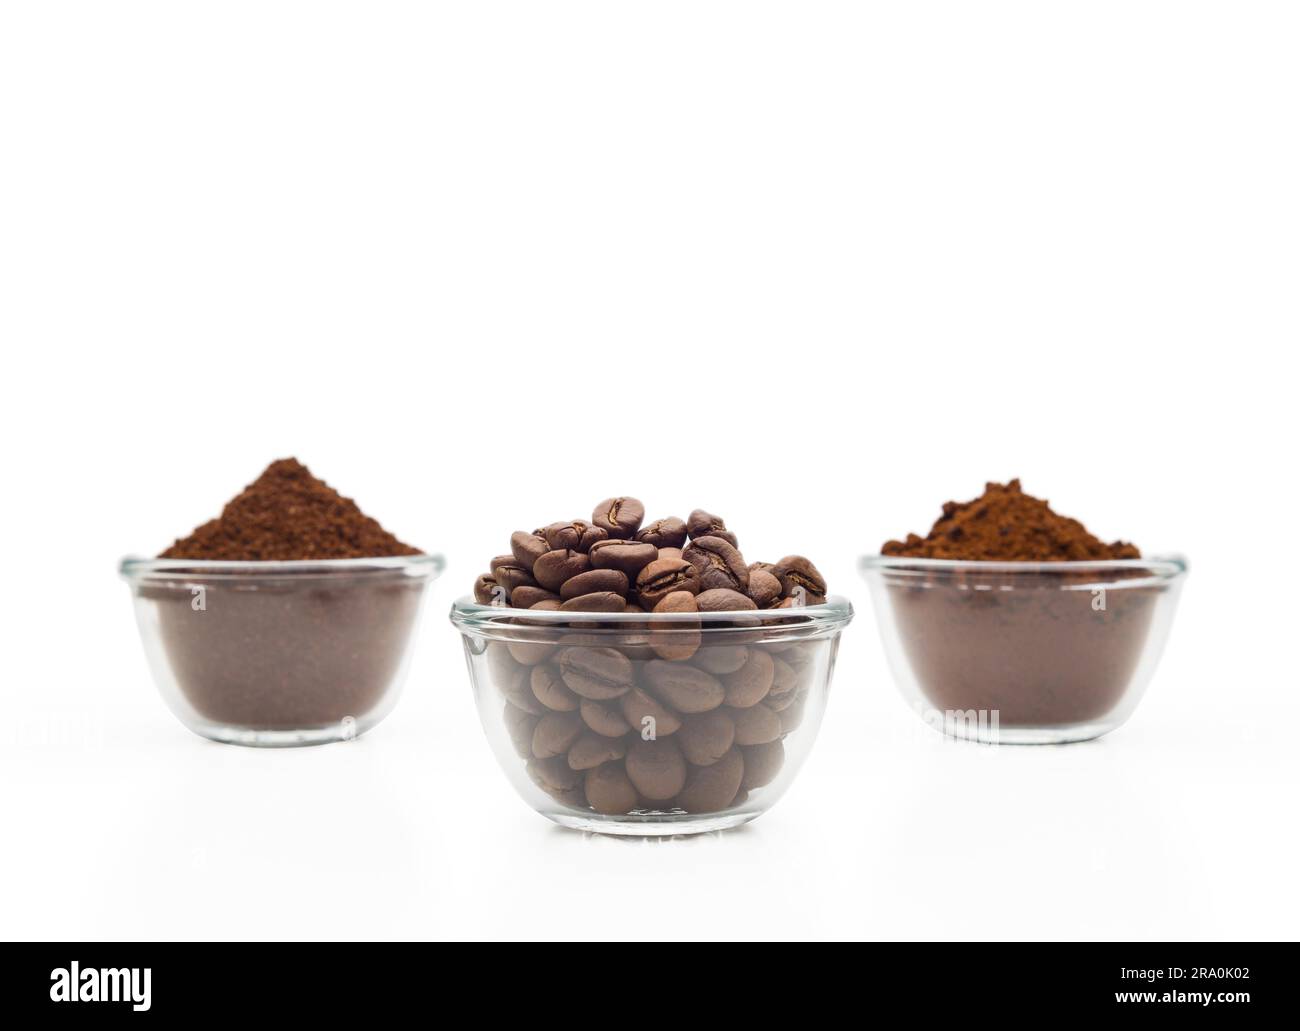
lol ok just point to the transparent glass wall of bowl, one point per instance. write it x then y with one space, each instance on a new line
279 653
651 724
1023 652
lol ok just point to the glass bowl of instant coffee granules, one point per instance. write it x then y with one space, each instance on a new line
646 679
289 620
1010 623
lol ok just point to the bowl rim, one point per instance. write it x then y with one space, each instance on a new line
471 617
422 566
1159 568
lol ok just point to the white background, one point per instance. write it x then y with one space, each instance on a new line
816 267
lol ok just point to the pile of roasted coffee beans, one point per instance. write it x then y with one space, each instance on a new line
614 564
644 716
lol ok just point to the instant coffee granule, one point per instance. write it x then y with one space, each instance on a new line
1034 646
285 649
1004 524
287 514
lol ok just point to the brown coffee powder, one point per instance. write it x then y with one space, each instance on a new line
287 651
1035 646
287 514
1004 524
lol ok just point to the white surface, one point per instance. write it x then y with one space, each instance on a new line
815 267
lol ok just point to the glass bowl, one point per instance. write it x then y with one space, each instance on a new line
651 723
1024 652
279 653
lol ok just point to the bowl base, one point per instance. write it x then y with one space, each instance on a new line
1058 735
651 826
278 738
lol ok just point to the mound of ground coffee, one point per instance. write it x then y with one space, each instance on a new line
287 514
1040 647
260 656
1005 524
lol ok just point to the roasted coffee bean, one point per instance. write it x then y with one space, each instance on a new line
664 533
706 738
766 567
519 726
628 557
764 588
549 689
578 639
721 658
784 678
554 733
555 778
500 663
633 637
796 571
802 658
510 573
597 673
783 647
683 687
531 653
664 576
527 597
677 641
717 563
555 567
534 646
605 719
762 764
528 547
800 600
757 725
619 517
750 684
647 716
609 791
602 601
722 599
712 788
656 768
705 524
671 553
595 581
575 536
590 750
486 588
780 702
792 715
515 689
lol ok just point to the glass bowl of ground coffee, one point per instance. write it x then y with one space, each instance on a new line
646 680
287 621
1051 637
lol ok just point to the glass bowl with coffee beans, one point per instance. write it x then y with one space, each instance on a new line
643 678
